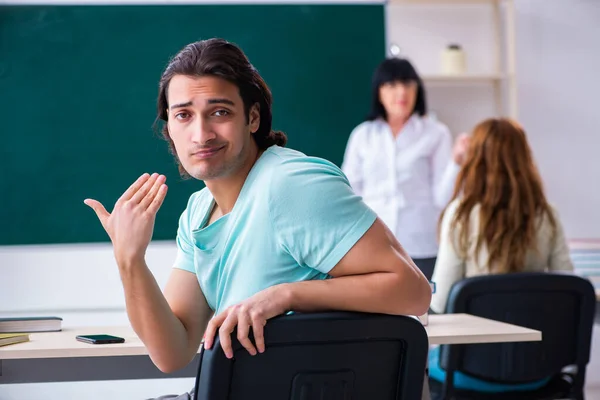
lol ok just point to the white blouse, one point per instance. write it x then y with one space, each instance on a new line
406 180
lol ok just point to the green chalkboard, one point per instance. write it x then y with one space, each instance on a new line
78 87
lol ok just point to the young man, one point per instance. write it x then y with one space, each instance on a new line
273 231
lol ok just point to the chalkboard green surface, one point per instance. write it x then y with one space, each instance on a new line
78 87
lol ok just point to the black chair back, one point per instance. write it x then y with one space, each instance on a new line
561 306
337 355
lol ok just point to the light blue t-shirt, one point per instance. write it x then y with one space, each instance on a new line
295 218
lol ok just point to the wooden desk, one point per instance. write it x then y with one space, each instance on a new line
466 329
57 356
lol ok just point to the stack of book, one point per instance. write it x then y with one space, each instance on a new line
30 324
13 338
17 330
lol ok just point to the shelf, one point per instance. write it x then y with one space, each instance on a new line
462 79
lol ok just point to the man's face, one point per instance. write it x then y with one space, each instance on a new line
207 124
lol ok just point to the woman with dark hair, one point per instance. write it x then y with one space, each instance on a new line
402 162
498 222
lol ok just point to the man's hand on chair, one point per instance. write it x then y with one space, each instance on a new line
251 313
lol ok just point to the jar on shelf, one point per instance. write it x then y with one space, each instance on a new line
454 60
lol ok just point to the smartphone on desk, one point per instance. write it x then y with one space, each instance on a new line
100 339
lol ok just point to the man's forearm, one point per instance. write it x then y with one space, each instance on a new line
151 317
381 292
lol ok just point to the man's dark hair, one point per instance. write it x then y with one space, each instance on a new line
219 58
392 70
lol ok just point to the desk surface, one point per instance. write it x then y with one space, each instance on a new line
442 329
465 329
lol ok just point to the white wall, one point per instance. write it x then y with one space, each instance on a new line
558 62
70 278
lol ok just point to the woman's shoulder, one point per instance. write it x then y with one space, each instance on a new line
553 210
453 206
452 209
545 220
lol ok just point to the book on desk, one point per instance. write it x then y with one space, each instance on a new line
13 338
30 324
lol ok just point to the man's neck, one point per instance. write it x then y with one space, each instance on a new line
226 190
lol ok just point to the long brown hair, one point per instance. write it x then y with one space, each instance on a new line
500 176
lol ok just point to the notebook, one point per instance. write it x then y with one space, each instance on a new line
30 324
12 338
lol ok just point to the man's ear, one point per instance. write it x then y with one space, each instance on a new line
254 117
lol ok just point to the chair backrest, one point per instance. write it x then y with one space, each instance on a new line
337 355
561 306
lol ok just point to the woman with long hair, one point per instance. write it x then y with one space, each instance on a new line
498 222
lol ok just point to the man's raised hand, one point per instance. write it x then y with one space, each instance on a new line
131 223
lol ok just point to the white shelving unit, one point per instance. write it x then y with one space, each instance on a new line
500 70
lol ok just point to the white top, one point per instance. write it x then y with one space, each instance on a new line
406 180
552 254
442 329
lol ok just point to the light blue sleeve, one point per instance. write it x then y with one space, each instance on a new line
316 216
185 247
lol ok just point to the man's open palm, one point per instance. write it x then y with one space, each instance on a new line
131 223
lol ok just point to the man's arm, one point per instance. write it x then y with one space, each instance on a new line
375 276
170 325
